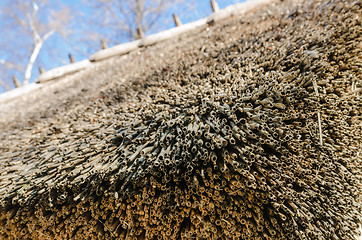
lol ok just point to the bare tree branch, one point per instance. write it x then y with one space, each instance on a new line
34 55
131 18
33 22
31 19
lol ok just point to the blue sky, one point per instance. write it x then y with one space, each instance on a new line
56 49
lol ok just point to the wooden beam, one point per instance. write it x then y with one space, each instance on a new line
115 51
16 82
61 71
140 33
214 6
104 44
41 70
177 20
71 58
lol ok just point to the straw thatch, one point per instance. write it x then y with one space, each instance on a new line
249 130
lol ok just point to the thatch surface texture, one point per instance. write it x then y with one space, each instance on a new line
247 129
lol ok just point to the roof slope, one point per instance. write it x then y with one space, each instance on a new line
249 129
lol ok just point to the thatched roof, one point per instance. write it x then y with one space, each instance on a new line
247 129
